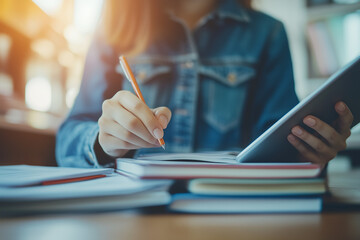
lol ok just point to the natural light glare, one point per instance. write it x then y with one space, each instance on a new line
49 6
5 45
38 94
71 34
86 14
70 97
66 58
44 48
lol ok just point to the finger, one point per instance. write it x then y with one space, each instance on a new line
163 114
129 121
118 131
304 150
343 123
313 142
134 125
114 146
142 112
333 138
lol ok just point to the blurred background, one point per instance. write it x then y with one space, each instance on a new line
43 45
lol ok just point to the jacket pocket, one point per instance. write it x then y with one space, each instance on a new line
224 92
154 81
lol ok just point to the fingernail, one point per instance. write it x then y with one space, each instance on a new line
291 138
158 133
341 107
297 131
163 121
310 122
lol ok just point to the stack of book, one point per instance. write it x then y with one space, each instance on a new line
216 183
36 190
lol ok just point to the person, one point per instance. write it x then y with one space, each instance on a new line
215 74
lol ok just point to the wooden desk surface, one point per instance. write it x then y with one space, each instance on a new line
340 224
127 225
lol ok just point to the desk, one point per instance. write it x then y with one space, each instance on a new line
339 224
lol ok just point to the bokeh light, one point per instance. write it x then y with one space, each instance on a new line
38 94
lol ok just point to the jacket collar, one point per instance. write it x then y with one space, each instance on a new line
227 9
233 10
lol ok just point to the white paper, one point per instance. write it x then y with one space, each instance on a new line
214 157
25 175
115 185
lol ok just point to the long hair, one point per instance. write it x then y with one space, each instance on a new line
131 25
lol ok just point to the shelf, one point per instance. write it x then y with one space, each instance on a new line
324 11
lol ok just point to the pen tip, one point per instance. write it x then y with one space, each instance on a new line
163 146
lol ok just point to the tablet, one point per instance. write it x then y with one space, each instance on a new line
273 146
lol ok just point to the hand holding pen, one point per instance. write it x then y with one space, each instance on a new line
128 123
130 76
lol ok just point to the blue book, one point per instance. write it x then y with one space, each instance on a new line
192 203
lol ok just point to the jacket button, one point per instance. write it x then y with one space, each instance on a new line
188 64
231 77
141 76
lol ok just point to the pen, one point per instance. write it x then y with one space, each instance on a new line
130 76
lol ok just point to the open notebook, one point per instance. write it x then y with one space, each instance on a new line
214 157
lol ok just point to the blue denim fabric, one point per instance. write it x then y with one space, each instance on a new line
225 82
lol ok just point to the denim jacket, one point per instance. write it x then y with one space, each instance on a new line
225 82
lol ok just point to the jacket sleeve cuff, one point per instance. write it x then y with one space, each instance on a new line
93 151
89 151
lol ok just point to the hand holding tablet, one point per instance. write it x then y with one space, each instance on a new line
323 145
317 141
